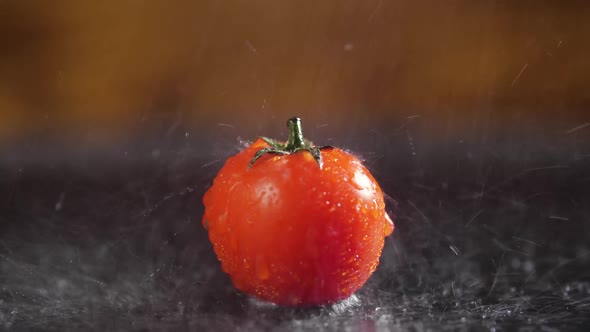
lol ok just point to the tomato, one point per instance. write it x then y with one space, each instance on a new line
295 224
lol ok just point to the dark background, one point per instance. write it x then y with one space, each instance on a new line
116 116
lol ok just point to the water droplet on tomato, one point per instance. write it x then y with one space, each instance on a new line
358 181
388 225
374 213
267 193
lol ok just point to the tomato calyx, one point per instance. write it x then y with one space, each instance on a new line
295 143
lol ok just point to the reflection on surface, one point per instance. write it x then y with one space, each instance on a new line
126 251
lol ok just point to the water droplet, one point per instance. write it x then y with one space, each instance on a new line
388 225
374 213
361 181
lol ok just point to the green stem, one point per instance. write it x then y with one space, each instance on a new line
295 140
294 144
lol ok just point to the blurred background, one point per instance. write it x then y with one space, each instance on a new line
93 72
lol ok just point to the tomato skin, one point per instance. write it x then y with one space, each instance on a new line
292 233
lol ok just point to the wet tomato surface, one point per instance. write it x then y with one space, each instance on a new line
295 224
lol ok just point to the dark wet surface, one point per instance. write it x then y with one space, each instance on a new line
488 237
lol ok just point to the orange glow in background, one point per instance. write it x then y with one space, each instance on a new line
69 67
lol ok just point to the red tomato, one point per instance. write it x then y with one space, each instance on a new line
293 229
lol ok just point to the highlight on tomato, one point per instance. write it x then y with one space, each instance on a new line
296 224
